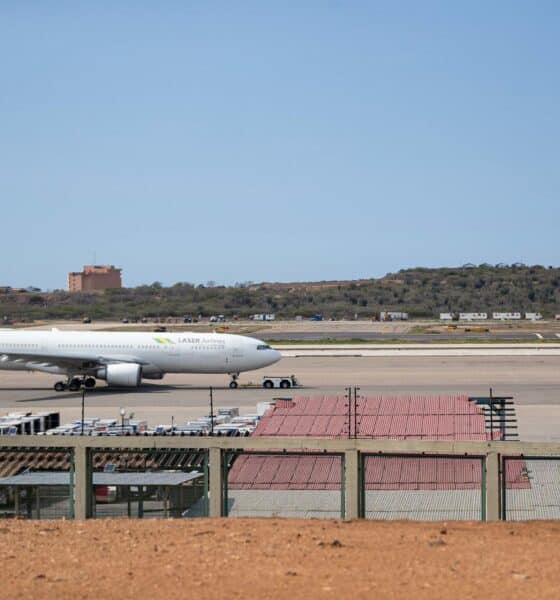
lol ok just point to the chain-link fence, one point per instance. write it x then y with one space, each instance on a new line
36 483
530 487
154 483
422 487
272 484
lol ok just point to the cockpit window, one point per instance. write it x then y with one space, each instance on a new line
263 347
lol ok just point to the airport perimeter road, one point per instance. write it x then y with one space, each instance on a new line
533 381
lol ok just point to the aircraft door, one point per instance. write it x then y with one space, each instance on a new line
172 354
234 354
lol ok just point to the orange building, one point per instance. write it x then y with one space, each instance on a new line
95 277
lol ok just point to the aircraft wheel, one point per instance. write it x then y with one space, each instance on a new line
74 385
233 385
90 382
59 386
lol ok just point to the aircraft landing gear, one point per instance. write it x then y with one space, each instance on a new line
73 384
233 383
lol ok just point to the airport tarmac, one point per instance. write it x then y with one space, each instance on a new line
534 382
424 338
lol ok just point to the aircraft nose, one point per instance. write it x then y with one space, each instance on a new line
267 355
276 355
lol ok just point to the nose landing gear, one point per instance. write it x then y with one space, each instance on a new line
233 383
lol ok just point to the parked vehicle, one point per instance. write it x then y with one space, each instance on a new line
283 381
533 316
105 494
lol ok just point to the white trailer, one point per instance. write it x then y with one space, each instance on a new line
473 316
392 315
533 316
446 316
506 316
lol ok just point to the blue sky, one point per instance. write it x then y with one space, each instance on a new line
235 141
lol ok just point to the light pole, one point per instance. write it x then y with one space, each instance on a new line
83 409
122 411
211 412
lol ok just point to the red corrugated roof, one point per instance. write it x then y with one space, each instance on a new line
378 417
411 417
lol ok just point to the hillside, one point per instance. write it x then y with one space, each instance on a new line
422 292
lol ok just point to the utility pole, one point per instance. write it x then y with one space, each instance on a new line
211 412
491 415
348 397
356 390
83 406
351 397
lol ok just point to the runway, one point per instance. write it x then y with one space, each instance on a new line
533 381
424 338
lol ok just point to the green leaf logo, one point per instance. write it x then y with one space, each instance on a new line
163 340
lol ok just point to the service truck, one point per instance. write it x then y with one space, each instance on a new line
282 381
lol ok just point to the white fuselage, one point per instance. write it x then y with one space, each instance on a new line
84 353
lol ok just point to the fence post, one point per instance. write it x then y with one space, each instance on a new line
351 484
81 483
215 483
492 483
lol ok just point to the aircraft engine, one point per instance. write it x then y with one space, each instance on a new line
123 374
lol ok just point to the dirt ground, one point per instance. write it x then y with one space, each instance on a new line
276 558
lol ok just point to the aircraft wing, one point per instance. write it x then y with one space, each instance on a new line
68 361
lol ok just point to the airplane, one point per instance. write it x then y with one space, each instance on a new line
125 359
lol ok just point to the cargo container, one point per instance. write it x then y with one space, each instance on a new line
446 316
29 423
393 316
473 316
